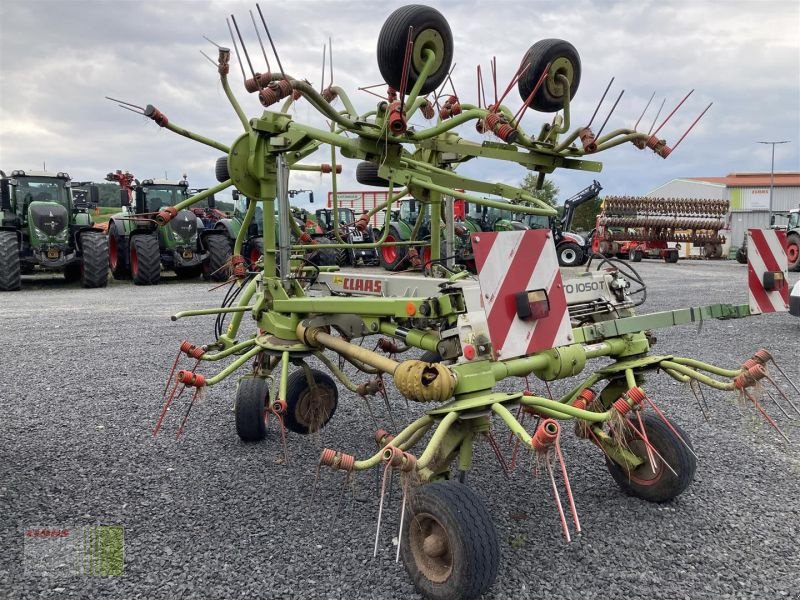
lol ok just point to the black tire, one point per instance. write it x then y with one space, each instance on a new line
671 256
662 485
10 274
431 357
636 256
145 259
342 257
324 257
449 547
185 273
94 260
252 399
367 174
430 31
118 253
392 256
741 255
221 169
569 254
308 411
565 60
793 251
216 266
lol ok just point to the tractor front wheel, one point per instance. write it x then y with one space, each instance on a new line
216 266
94 260
118 253
310 408
449 547
656 482
252 398
145 260
671 256
570 255
392 256
10 274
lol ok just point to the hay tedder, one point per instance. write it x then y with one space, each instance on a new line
640 227
517 319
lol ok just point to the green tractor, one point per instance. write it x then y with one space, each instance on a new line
138 247
349 232
42 227
401 229
792 240
484 218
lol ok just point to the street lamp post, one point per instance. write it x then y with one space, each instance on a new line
772 175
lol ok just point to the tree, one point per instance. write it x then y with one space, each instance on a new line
586 215
548 193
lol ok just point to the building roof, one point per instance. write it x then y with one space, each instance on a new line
789 179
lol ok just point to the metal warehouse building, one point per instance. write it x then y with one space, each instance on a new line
747 193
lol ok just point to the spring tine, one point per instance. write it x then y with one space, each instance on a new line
322 78
164 410
660 108
783 410
674 110
786 377
380 509
246 54
703 396
330 58
274 51
567 486
557 498
209 59
668 424
597 136
599 104
212 42
186 415
497 453
696 397
260 43
172 372
645 110
130 109
316 482
125 103
521 112
647 443
766 415
236 49
388 408
494 80
784 396
402 519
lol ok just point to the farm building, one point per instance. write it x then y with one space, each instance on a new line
747 193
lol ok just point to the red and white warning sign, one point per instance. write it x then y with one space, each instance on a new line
522 293
767 271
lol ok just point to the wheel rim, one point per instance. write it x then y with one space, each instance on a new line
568 256
113 259
428 39
430 547
560 66
426 255
644 475
314 407
792 252
389 252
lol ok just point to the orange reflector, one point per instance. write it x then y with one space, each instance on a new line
469 351
411 309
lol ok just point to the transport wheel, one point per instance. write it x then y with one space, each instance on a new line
367 174
741 255
310 409
10 274
392 256
449 545
215 266
252 398
570 255
793 251
661 484
118 253
563 59
430 31
94 267
671 256
145 260
221 169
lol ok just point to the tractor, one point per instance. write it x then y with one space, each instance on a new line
792 229
573 249
138 248
348 229
42 227
410 222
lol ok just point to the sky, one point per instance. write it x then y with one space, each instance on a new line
59 59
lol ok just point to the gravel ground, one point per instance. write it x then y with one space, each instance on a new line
208 516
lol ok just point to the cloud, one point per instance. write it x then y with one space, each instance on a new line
59 59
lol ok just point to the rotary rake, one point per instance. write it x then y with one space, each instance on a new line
518 318
643 227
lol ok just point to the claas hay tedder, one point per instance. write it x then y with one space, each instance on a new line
518 318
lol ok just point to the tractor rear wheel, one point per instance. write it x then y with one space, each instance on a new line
252 399
671 256
310 409
563 59
94 260
10 274
570 255
659 484
392 256
145 260
430 31
118 253
216 266
449 547
793 251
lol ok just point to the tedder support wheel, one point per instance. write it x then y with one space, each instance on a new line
570 255
221 169
449 547
430 31
309 409
793 251
392 256
563 59
10 274
118 253
252 398
741 256
145 260
215 266
661 484
367 174
94 260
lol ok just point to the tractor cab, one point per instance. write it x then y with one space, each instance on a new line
490 218
153 195
346 216
44 201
